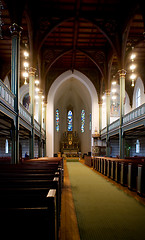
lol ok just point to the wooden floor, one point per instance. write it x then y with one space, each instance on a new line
69 227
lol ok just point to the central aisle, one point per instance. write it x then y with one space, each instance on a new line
103 211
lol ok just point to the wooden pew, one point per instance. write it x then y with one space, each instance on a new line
127 172
24 189
30 218
141 179
88 160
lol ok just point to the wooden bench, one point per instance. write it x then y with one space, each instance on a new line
27 214
27 195
128 172
88 160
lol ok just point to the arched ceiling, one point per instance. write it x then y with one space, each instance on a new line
92 36
69 93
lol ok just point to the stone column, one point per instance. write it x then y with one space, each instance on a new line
122 74
107 122
100 115
40 122
15 82
32 107
44 125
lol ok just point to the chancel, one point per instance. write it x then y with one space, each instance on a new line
72 119
70 144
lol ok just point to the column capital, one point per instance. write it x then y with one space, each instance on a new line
40 92
100 102
122 72
15 29
32 71
108 91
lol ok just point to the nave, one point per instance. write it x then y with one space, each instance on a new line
104 209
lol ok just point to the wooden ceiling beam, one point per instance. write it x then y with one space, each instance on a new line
76 29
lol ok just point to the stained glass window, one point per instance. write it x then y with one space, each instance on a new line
82 120
137 146
7 146
69 120
57 120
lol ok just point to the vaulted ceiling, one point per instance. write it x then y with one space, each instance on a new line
92 36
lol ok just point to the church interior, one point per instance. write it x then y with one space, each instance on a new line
72 119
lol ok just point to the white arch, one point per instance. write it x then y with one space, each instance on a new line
50 105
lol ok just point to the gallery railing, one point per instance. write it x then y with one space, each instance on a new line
6 96
133 116
24 113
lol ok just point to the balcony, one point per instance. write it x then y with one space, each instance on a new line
131 120
7 99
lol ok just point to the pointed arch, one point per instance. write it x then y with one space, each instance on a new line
50 105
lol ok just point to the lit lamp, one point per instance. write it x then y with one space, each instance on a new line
26 54
132 77
26 65
132 68
25 75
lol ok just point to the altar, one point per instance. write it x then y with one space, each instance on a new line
70 145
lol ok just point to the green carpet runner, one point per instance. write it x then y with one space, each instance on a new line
103 211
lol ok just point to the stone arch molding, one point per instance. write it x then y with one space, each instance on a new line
50 105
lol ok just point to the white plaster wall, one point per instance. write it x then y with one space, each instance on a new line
6 82
24 89
69 95
138 84
127 107
50 105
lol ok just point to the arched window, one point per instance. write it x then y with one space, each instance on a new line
115 105
7 146
26 101
82 120
70 121
90 125
57 120
138 96
137 146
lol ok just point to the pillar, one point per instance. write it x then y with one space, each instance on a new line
15 81
100 115
40 122
122 74
107 122
32 107
44 125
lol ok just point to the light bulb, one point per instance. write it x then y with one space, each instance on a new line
132 67
36 81
113 90
37 89
25 74
113 97
26 54
132 57
25 81
132 83
133 76
26 64
114 83
103 97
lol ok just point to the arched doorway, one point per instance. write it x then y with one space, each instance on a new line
79 93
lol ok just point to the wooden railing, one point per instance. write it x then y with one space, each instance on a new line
8 98
6 95
134 114
129 118
24 113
